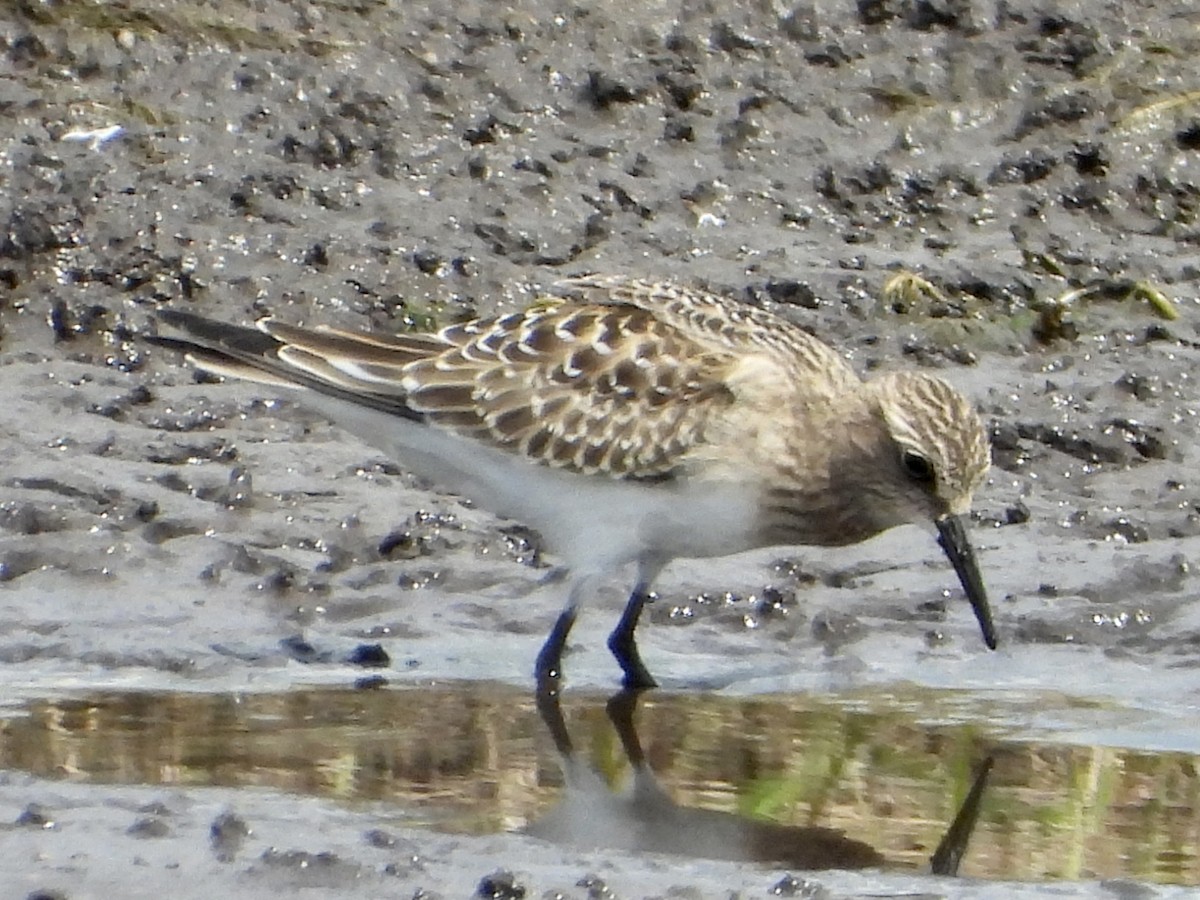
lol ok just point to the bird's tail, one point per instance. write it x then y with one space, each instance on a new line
361 369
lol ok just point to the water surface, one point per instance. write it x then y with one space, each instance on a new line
877 778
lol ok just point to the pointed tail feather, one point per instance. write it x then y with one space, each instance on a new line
252 354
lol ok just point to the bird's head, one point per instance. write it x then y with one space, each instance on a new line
936 458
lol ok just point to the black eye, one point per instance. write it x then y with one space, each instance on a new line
918 467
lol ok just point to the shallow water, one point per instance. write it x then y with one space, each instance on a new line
889 772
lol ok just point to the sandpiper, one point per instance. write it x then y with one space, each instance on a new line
637 422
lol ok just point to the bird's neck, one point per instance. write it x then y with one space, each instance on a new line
830 489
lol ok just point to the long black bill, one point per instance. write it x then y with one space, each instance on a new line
953 538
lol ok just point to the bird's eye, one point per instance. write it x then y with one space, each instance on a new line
918 467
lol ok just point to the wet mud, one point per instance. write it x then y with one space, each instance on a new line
1002 192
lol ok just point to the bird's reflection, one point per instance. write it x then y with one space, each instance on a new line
643 817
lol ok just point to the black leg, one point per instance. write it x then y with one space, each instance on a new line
551 712
548 670
623 646
950 851
620 709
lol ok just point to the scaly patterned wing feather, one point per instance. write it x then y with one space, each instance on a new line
719 322
623 385
593 389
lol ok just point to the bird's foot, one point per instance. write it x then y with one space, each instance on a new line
638 679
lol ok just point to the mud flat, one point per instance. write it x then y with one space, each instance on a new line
1004 192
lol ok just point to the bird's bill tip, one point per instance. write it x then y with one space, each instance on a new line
952 536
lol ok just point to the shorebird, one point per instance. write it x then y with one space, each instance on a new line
632 422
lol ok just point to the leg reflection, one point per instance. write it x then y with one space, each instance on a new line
642 815
949 853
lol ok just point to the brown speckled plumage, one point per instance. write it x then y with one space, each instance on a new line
691 406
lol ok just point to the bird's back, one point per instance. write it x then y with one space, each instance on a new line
545 414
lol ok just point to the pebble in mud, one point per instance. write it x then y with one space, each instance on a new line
35 816
302 651
378 837
804 888
369 656
835 630
370 683
227 834
322 869
149 827
500 885
16 562
595 886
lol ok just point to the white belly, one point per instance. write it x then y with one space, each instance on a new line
590 521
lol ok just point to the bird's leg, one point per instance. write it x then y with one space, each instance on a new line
548 670
623 646
621 642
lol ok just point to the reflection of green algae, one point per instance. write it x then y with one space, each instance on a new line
604 750
1086 798
814 778
886 768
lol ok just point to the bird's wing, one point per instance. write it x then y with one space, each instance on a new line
595 389
625 383
721 323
